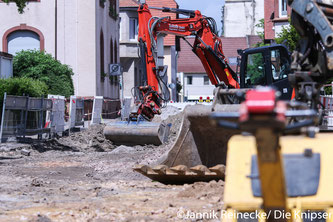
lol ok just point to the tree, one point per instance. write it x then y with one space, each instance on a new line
21 4
288 36
261 34
41 66
261 25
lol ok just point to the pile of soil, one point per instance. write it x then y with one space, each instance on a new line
93 139
86 140
200 190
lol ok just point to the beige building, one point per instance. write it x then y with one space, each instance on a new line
81 34
129 51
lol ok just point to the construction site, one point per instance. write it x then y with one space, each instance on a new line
258 148
84 177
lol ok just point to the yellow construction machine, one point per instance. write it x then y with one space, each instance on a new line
280 170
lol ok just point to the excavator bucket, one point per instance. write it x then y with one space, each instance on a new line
137 133
199 152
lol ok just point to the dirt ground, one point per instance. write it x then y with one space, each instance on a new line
83 177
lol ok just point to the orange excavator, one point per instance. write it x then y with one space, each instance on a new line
199 142
207 46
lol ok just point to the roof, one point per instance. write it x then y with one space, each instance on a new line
253 39
169 40
188 62
7 55
128 3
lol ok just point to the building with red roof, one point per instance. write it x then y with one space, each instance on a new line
191 73
277 13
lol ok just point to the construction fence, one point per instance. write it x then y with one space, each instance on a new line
23 116
327 102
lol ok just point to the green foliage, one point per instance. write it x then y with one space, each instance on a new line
328 90
255 68
261 25
41 66
22 86
289 36
113 12
261 34
21 4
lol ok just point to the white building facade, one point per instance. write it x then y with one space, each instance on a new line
81 34
196 87
129 50
242 16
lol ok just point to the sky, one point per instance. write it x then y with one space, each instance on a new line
210 8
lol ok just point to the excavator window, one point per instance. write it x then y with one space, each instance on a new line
255 70
280 65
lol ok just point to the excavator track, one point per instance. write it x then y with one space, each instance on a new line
181 174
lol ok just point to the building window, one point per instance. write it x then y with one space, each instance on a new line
206 80
113 9
133 28
22 37
102 55
120 29
102 3
111 52
22 40
283 8
189 80
115 52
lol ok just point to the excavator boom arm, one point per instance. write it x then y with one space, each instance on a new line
207 45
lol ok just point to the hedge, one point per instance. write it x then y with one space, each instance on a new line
42 66
20 87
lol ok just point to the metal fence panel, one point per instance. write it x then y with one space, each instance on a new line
97 110
72 111
23 115
57 115
76 115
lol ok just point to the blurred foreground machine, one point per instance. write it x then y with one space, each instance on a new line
281 170
199 152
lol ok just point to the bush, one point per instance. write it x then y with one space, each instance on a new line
288 36
41 66
20 86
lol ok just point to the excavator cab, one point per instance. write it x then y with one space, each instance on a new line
266 66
